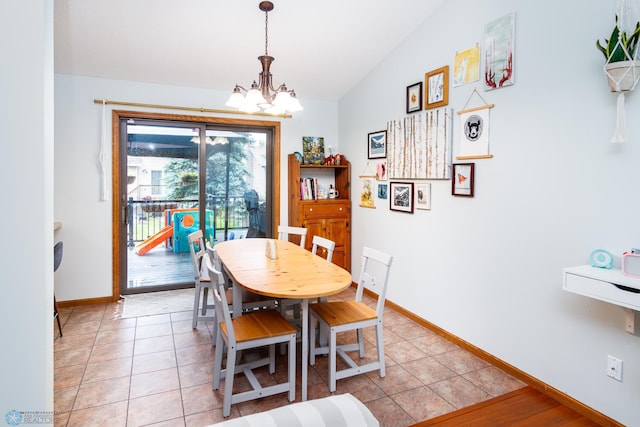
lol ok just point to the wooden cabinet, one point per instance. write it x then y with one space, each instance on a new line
329 218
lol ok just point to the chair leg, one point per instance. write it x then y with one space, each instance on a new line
196 307
228 381
332 360
292 368
205 297
56 315
360 335
380 344
217 367
313 324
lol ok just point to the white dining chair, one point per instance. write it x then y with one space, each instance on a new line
340 316
284 231
202 282
249 331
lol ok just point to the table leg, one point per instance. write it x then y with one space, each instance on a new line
305 346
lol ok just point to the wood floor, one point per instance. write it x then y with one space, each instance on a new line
523 407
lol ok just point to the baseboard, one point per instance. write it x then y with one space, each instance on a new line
88 301
535 383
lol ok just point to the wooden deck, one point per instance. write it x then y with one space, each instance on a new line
159 267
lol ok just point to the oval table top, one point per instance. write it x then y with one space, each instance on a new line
295 273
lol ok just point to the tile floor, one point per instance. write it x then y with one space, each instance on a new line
156 370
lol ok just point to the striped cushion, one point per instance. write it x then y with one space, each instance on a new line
342 410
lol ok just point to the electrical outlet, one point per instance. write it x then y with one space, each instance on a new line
614 368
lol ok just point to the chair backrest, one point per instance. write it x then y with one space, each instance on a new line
329 245
223 315
285 230
57 255
368 280
196 238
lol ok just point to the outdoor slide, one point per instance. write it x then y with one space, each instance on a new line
155 240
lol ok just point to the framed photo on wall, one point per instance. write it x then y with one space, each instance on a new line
462 180
423 195
414 97
382 191
377 144
436 90
401 196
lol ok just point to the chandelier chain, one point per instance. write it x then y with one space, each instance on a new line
266 33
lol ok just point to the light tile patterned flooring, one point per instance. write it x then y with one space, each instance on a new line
157 370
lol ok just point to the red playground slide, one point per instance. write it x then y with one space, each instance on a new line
155 240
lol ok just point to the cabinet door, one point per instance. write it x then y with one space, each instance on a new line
337 229
315 227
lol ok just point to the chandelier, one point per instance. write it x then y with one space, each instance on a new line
262 95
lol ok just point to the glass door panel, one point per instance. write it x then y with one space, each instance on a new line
236 183
162 205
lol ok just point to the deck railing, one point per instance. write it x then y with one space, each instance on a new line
146 217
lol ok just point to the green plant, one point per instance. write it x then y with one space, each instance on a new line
613 50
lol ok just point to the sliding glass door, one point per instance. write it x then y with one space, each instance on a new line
180 177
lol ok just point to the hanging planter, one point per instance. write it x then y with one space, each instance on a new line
622 76
621 68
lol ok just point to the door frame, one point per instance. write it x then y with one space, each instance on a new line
116 215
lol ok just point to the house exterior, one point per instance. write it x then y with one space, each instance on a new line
487 269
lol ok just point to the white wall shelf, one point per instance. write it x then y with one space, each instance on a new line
608 285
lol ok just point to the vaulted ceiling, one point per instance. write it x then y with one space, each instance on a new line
322 48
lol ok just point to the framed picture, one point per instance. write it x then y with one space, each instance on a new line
313 150
414 97
423 195
462 180
436 84
377 143
382 191
381 170
401 196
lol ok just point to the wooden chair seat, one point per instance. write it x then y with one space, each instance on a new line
258 325
343 312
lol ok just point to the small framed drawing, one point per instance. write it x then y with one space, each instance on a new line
382 191
436 90
423 195
377 143
401 196
414 97
462 179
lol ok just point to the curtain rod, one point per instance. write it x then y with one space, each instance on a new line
175 107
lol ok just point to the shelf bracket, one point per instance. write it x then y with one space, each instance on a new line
630 320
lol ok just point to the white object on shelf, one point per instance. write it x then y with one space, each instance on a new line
608 285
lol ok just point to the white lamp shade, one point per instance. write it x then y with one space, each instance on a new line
248 107
283 99
235 100
255 97
274 110
294 105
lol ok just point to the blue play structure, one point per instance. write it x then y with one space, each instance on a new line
186 222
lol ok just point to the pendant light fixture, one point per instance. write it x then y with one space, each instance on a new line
262 95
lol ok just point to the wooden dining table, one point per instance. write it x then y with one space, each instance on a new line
295 273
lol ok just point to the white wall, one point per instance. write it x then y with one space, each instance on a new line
489 269
87 270
26 172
